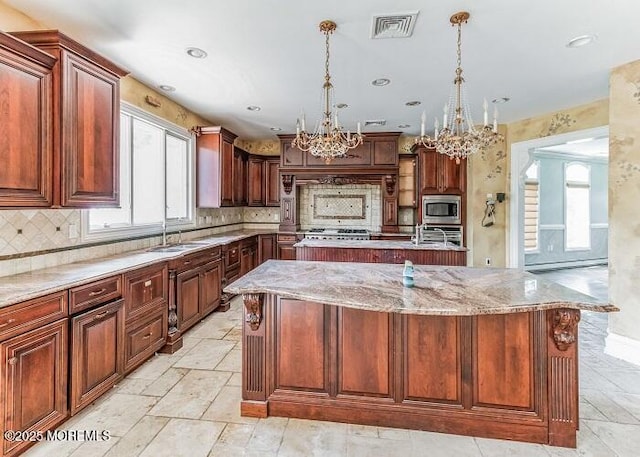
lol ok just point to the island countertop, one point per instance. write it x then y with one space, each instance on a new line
377 244
439 290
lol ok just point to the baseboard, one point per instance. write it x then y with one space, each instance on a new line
568 264
622 347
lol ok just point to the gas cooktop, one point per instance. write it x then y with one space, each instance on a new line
337 234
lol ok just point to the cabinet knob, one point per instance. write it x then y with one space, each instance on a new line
12 360
148 335
147 283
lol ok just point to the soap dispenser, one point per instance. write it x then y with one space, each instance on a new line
407 274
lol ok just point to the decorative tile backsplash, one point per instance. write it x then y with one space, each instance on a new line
349 205
50 237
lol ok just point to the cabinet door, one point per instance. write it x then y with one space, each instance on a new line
146 290
96 353
291 157
407 182
34 380
90 103
454 176
266 248
226 174
239 178
188 298
245 261
272 182
429 172
26 148
210 285
256 182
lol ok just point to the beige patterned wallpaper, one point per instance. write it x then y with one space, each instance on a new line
624 194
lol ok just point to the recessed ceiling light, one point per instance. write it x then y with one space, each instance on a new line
581 40
413 103
276 129
404 126
380 82
196 53
500 100
253 108
166 88
342 105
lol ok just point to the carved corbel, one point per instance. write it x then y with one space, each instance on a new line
287 183
253 306
565 327
196 130
390 184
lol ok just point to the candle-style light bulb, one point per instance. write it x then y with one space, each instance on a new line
302 122
485 105
495 119
359 128
444 117
335 120
435 128
297 127
422 120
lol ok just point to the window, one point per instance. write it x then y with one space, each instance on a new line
156 179
577 213
531 207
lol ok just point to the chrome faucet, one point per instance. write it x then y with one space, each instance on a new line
444 234
164 232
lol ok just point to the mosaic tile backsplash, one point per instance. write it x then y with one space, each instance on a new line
350 205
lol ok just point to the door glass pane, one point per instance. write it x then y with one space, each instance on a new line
148 168
578 228
177 178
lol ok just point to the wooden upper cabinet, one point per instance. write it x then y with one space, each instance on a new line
440 175
86 115
214 167
26 124
256 181
272 177
240 173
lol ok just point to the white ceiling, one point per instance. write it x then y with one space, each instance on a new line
270 53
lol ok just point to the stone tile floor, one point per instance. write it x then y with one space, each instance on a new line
187 404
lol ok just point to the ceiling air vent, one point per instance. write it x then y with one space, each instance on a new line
393 25
375 123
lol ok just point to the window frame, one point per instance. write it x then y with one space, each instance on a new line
568 184
150 229
526 181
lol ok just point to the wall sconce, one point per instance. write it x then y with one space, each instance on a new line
489 217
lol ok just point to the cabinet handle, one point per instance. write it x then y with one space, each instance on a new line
12 360
10 321
187 262
101 315
148 335
97 292
147 283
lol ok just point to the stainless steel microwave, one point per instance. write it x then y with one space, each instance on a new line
441 209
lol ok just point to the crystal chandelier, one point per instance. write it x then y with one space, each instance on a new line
456 139
328 141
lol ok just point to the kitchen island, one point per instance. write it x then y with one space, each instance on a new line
481 352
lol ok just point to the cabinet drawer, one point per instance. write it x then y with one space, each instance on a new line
144 337
19 318
146 290
286 237
233 255
95 293
231 275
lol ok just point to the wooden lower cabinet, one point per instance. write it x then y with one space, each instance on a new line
33 373
143 337
188 298
286 251
210 289
495 376
267 247
97 361
248 256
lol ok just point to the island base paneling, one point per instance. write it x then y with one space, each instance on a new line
507 376
417 256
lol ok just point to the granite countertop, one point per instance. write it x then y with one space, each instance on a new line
25 286
377 244
439 290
